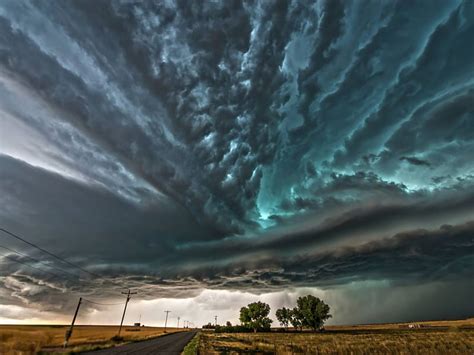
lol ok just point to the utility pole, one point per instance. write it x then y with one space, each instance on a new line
215 317
178 322
166 320
125 309
69 331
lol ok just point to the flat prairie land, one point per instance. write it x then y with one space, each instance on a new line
443 337
31 339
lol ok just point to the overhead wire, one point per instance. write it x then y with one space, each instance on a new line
30 258
54 274
39 261
102 304
31 266
16 236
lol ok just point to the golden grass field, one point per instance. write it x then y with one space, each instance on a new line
437 337
441 337
30 339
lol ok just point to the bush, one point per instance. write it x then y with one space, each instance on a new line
117 338
208 326
233 329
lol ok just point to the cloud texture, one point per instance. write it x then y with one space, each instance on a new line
245 146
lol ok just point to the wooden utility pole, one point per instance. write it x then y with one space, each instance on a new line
178 322
215 317
69 331
166 320
125 309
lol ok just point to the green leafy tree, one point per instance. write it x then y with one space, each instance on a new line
296 318
255 316
312 312
284 316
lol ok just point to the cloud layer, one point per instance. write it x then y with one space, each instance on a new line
237 146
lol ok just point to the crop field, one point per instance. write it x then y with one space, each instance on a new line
30 339
448 337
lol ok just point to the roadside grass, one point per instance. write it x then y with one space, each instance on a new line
387 339
192 347
33 339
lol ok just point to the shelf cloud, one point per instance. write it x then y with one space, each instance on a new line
249 148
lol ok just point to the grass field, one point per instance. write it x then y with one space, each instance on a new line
30 339
439 337
446 337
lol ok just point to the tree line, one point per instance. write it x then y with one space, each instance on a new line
309 312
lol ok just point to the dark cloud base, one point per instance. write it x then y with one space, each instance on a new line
237 146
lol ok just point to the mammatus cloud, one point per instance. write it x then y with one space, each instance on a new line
237 147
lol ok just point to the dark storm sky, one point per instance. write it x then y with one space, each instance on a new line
237 145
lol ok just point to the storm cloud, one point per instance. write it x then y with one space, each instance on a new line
237 146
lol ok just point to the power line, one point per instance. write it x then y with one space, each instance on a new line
54 274
129 295
16 236
38 261
102 304
47 252
31 266
51 273
166 321
76 278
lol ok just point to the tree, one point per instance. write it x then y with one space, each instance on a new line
255 316
312 312
228 324
296 318
284 316
208 326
